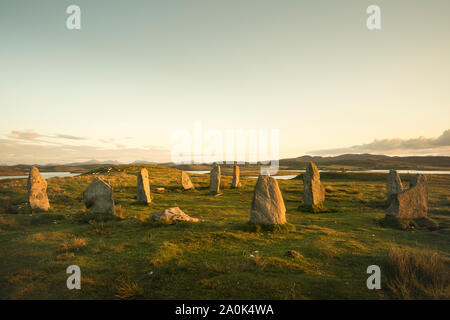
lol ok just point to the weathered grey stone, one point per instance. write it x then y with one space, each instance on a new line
186 182
393 185
172 215
411 203
37 190
267 203
98 197
143 187
236 177
313 190
214 180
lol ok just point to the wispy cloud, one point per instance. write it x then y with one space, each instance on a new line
28 135
420 145
31 135
31 147
69 137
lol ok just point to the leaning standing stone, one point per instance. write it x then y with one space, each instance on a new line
143 187
393 185
186 182
267 203
37 190
98 197
236 176
214 180
313 190
411 203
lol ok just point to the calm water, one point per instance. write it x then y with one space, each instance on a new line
46 175
291 176
408 171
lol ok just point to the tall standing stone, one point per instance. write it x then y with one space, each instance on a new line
313 190
98 197
236 177
393 185
214 180
267 203
186 182
411 203
143 187
37 190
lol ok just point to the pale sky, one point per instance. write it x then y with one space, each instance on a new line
138 70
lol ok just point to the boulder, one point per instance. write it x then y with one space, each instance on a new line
214 180
143 187
411 203
98 197
313 190
172 215
236 176
186 182
393 185
37 190
267 203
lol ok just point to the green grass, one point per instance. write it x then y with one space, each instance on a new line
222 257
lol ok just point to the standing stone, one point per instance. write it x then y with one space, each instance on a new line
214 180
236 176
267 203
411 203
313 190
393 185
37 190
143 187
98 197
186 182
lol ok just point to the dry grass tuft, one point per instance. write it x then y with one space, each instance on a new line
126 290
417 275
73 245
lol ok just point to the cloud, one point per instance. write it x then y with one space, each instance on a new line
18 152
31 147
31 135
69 137
420 145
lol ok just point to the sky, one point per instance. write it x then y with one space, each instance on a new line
138 71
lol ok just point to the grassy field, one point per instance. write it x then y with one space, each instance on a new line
125 257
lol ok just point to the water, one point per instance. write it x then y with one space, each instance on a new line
198 171
407 171
291 176
46 175
285 177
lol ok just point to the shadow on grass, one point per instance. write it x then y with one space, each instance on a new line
316 209
409 224
273 228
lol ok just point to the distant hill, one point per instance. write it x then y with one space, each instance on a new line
94 162
342 162
371 161
138 162
348 162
